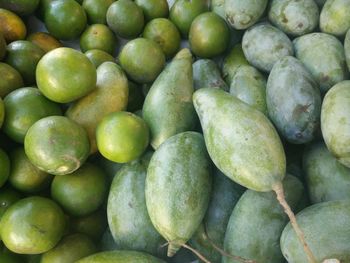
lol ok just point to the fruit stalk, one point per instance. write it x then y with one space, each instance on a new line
199 255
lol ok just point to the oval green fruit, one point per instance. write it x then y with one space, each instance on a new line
4 167
218 7
96 10
44 40
325 226
24 107
234 59
20 7
11 79
178 175
122 136
57 145
206 74
240 140
64 75
154 8
32 225
97 57
335 17
142 59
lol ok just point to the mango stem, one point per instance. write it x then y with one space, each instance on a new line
199 255
278 188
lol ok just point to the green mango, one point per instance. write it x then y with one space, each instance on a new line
326 227
178 186
327 179
128 219
334 121
293 101
347 48
335 17
232 62
122 256
249 85
323 55
218 7
110 95
243 14
168 107
206 74
240 140
225 194
257 222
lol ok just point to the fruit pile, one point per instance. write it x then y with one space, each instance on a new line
181 131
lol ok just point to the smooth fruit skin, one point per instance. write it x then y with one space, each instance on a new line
128 218
70 249
98 36
263 45
11 79
8 196
118 18
12 26
234 59
323 55
142 59
65 20
64 75
24 176
110 95
178 187
32 225
209 35
347 48
4 167
154 8
24 56
183 12
335 17
334 121
96 10
20 7
206 74
44 40
97 57
122 136
293 101
168 107
240 140
327 179
249 85
57 145
24 107
326 232
122 256
81 192
218 7
258 220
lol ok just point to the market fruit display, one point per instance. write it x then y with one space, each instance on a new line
174 131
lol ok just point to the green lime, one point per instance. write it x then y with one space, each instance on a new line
44 40
11 79
96 10
97 57
21 7
153 8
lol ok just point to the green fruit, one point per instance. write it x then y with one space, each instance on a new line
98 36
122 136
64 75
32 225
294 17
136 98
122 256
96 10
240 140
21 7
24 57
97 57
128 218
232 62
11 26
11 79
323 55
168 108
153 8
334 119
142 59
118 18
165 33
335 17
209 35
57 145
8 196
218 7
183 12
65 20
24 176
206 74
258 219
2 47
24 107
4 167
249 85
110 95
325 226
347 48
70 249
44 40
243 14
178 186
263 45
293 101
81 192
225 194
